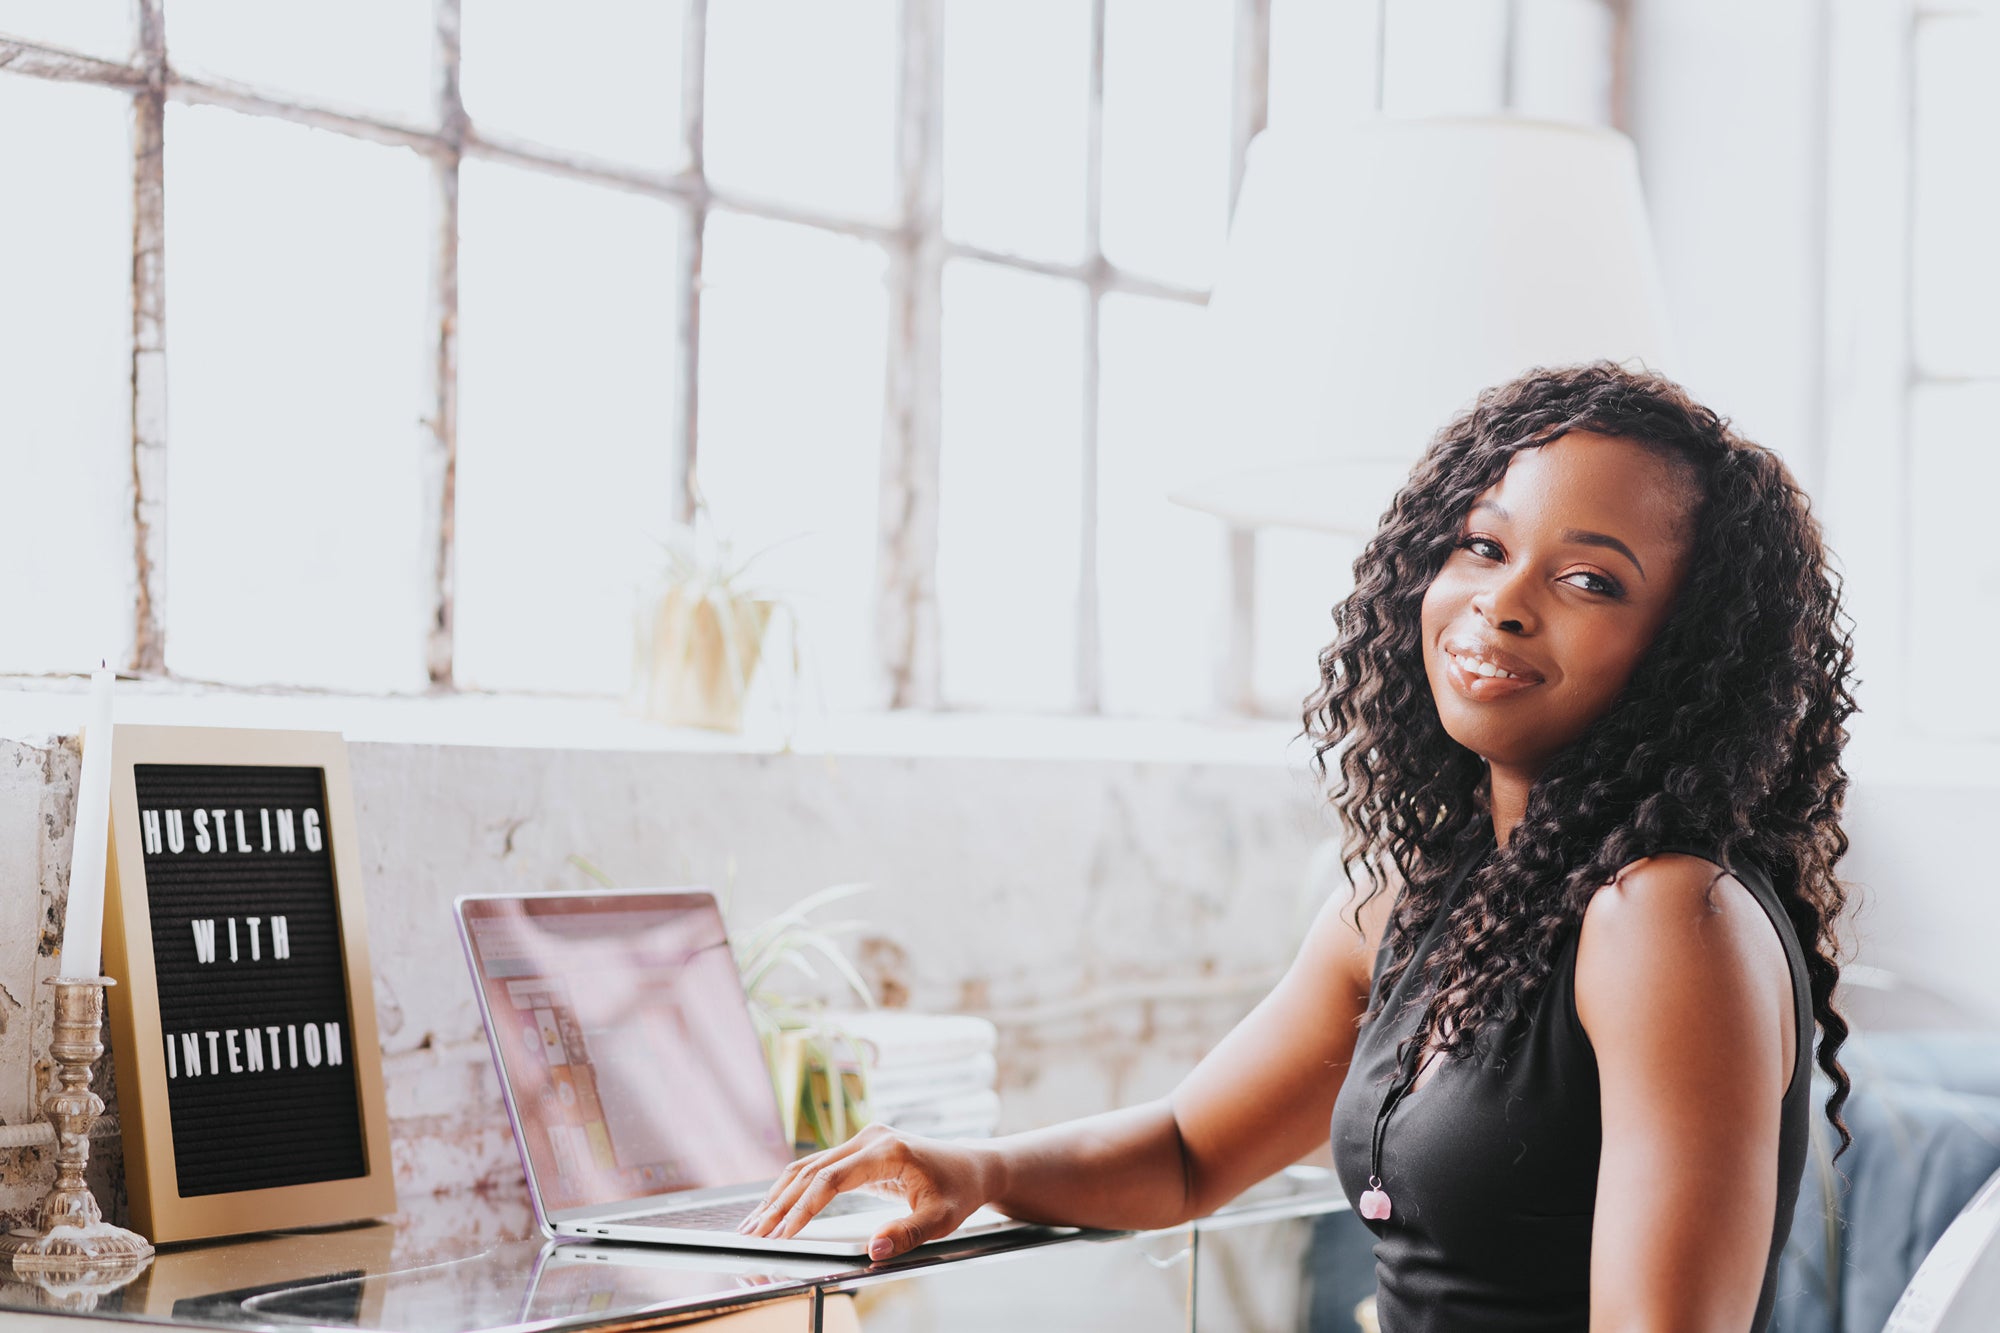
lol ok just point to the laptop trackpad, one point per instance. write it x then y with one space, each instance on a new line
860 1226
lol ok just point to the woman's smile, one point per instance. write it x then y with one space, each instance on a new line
1483 672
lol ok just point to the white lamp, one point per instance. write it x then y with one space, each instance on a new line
1378 277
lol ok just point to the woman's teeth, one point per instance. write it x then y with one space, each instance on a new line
1479 666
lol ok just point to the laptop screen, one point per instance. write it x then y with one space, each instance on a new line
626 1043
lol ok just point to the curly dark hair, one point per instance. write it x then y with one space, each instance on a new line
1727 735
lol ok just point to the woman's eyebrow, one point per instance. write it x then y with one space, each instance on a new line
1577 535
1583 538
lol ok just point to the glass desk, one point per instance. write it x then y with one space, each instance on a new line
473 1267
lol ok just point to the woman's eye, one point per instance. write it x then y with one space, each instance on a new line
1483 547
1596 583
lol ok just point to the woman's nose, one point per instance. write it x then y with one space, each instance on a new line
1506 604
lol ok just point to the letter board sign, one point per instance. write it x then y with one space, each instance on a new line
243 1029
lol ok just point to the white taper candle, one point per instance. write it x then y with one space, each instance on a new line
83 925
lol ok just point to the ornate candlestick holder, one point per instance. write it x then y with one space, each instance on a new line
70 1235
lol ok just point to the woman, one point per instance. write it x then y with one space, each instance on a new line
1586 706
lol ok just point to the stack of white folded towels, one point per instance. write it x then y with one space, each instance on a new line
929 1074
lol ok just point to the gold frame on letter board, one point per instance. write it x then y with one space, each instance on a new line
159 1211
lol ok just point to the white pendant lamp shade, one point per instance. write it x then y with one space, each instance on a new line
1378 277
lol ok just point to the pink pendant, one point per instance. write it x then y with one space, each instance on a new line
1374 1205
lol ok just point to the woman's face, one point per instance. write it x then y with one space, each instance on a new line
1564 571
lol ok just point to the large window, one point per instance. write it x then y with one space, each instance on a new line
368 344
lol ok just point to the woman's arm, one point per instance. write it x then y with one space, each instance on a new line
1689 1008
1260 1100
1257 1102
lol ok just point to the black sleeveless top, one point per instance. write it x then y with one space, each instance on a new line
1492 1170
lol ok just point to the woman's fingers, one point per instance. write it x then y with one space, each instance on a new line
778 1190
823 1184
786 1188
784 1203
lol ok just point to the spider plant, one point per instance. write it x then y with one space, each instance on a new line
700 629
818 1068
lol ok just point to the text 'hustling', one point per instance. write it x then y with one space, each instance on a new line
166 831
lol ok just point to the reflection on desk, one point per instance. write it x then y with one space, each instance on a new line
206 1283
563 1284
361 1278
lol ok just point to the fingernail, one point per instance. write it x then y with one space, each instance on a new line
879 1248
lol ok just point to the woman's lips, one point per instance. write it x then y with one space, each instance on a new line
1483 689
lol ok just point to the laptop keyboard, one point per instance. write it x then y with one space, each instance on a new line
726 1216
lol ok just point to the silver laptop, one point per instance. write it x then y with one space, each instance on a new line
637 1087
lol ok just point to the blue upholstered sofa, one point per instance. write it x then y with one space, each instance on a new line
1925 1115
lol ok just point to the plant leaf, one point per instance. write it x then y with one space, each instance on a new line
591 870
846 969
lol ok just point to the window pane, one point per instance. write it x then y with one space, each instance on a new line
373 55
793 332
802 102
1444 57
600 76
1957 210
1014 166
1954 570
1010 517
1160 566
565 434
101 28
1168 67
297 387
66 557
1562 60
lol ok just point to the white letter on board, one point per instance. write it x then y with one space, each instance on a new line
265 816
253 920
221 831
286 841
242 842
311 821
232 939
191 1054
312 1046
176 835
277 1061
214 1058
201 843
281 939
235 1053
292 1037
150 821
204 939
172 1071
253 1051
333 1043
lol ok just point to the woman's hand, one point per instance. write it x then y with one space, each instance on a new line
942 1181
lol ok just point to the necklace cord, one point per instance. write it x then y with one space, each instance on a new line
1402 1085
1406 1079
